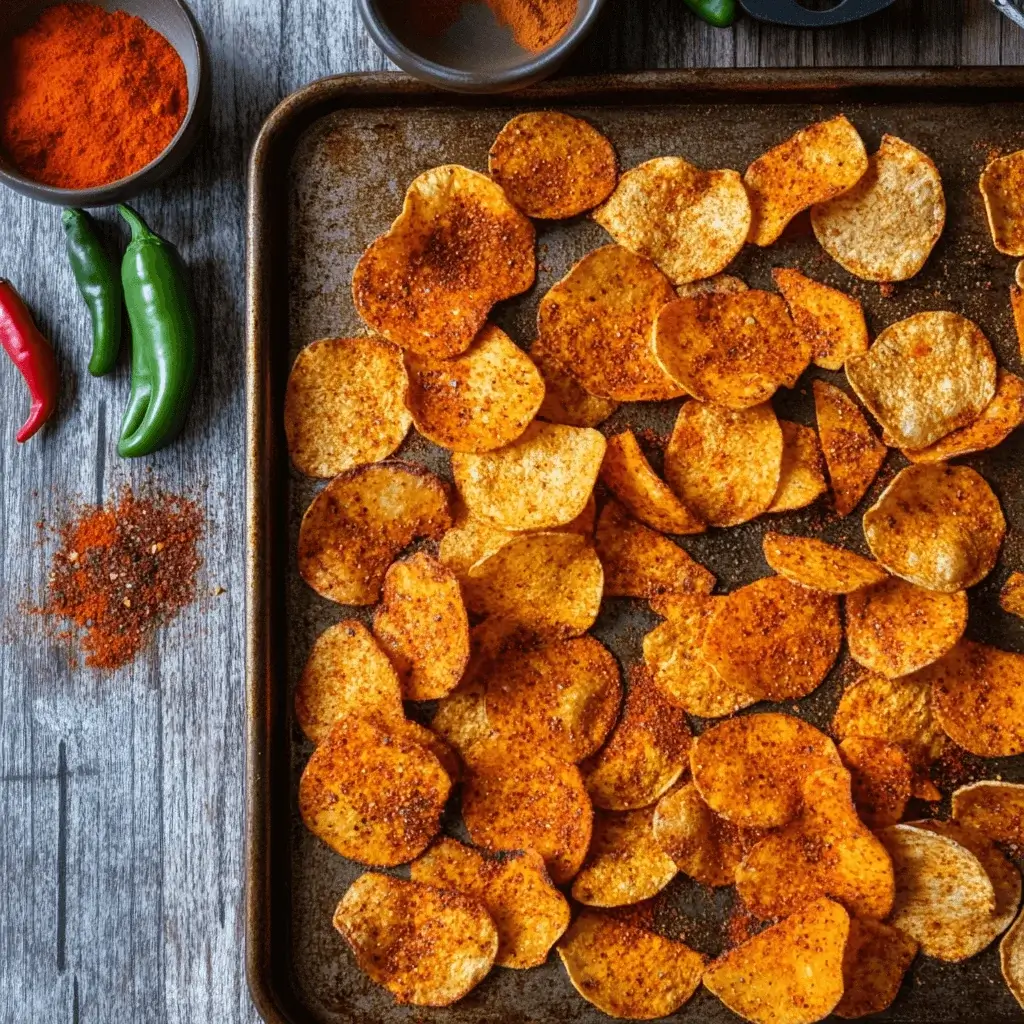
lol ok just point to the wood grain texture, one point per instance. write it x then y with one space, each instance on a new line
121 799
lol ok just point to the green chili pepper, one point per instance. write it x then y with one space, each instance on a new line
100 284
164 355
720 13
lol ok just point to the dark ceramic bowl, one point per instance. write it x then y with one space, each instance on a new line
175 21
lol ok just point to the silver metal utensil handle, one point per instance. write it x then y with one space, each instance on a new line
1013 9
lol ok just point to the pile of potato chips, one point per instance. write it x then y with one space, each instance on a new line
583 792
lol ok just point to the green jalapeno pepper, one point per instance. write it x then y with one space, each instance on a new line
720 13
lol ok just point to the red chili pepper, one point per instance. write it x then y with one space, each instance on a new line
32 354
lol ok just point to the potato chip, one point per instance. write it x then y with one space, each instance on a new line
1011 597
426 946
565 400
885 227
361 520
596 325
434 742
529 913
691 222
993 808
895 628
1011 959
802 476
720 284
458 247
791 973
640 562
646 497
815 165
516 797
853 454
1017 306
751 770
925 376
882 776
874 962
775 638
1002 188
627 972
812 563
344 405
372 793
938 526
725 464
831 322
647 751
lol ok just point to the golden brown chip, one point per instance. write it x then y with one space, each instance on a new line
1017 306
802 476
552 165
815 165
996 809
725 464
627 972
1011 597
691 222
853 454
372 793
1011 959
874 962
434 742
361 520
812 563
529 913
458 246
565 400
885 227
720 284
426 946
791 973
595 324
1018 275
938 526
1002 188
751 770
882 777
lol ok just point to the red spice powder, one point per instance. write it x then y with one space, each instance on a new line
535 24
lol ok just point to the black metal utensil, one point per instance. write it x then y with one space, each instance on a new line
792 12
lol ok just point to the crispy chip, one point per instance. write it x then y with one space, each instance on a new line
751 770
1011 959
1017 306
885 227
457 247
344 405
815 165
874 962
1018 275
791 973
882 778
426 946
356 525
1002 188
720 284
852 452
691 222
565 400
996 809
816 565
895 628
372 792
938 526
831 322
528 911
802 476
552 165
1011 597
925 376
627 972
435 743
725 464
596 325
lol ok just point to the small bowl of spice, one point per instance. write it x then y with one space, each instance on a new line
481 46
98 101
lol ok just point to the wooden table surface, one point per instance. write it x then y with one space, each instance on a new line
121 794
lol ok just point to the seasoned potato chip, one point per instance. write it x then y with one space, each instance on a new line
938 526
627 972
356 525
691 222
541 480
640 562
725 464
552 165
895 628
596 325
1011 597
1002 188
372 792
802 476
1018 274
853 454
925 376
831 322
344 405
433 742
775 638
516 797
751 770
1017 305
720 284
885 227
815 165
791 973
647 497
426 946
646 753
1011 959
882 777
458 246
874 962
996 809
529 913
565 400
812 563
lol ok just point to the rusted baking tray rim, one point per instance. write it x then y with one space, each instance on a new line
266 241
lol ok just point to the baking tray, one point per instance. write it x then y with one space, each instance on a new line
327 175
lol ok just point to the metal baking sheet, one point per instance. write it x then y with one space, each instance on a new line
327 176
